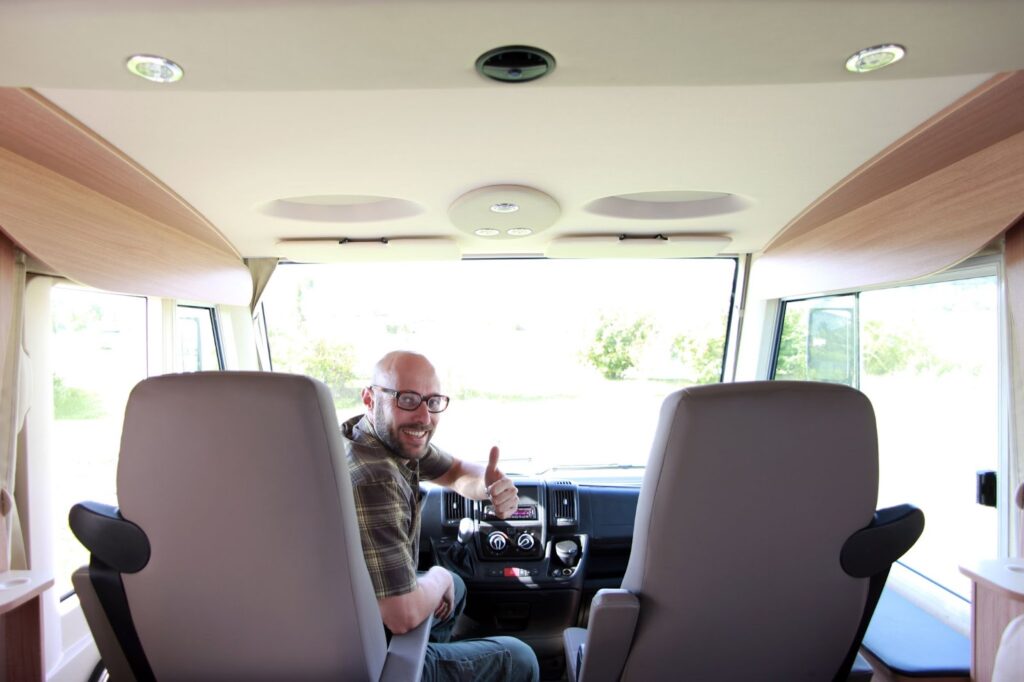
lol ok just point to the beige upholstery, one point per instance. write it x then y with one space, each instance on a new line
102 633
750 493
1009 665
239 481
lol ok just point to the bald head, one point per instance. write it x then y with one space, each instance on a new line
401 367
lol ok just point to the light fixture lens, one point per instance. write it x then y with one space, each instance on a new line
874 58
153 68
504 207
518 231
486 232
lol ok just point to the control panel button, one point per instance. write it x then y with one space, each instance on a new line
515 572
497 541
526 542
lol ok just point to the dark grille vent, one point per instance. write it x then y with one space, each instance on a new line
565 505
455 507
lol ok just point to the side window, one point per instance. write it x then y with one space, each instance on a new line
927 357
197 334
98 355
819 341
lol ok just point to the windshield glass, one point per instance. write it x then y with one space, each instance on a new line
561 363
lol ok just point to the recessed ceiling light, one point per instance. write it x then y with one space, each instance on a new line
487 232
518 231
505 207
515 63
874 58
153 68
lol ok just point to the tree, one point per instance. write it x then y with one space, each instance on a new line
792 358
331 363
884 352
616 346
70 402
704 358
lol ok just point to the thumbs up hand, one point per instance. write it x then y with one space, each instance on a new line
500 488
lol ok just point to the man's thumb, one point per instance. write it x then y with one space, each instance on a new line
491 473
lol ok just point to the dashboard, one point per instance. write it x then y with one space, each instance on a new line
531 575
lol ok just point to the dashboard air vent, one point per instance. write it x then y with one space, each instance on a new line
455 507
564 507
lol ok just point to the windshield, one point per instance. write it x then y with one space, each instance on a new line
561 363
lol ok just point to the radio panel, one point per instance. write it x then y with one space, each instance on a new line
525 512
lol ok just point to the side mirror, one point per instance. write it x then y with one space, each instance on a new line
832 348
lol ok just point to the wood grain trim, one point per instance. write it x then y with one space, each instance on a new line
23 642
913 232
22 628
991 611
987 115
98 241
39 131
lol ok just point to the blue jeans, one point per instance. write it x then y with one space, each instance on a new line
501 659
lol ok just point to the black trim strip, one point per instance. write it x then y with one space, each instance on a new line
110 591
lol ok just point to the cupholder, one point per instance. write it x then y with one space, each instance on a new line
13 582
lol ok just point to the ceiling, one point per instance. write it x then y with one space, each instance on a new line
313 98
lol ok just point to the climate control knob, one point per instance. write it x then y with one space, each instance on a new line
497 541
525 542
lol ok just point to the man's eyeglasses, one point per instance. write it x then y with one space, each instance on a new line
410 400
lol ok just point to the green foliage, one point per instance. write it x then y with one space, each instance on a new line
703 357
792 362
888 353
885 352
74 318
617 345
332 363
75 403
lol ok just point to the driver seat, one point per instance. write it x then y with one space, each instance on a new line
757 551
235 554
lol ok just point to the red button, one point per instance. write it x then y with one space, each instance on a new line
510 572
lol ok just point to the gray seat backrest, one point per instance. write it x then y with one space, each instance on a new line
239 480
749 495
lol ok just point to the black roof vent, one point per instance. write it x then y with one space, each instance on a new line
515 63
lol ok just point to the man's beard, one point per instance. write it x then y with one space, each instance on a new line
387 433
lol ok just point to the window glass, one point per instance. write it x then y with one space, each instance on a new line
559 362
197 338
928 360
98 355
818 341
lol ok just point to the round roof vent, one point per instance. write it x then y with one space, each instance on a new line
515 63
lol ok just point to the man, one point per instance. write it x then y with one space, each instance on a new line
389 450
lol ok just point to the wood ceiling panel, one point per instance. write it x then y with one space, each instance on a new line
92 214
929 200
93 239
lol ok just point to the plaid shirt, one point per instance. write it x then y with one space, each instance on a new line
387 494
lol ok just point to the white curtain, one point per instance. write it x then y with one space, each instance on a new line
261 269
1014 291
13 400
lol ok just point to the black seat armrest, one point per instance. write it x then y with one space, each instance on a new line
109 537
890 534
